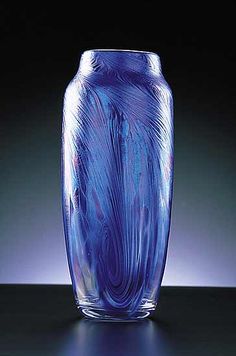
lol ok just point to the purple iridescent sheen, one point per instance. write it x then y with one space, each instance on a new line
117 165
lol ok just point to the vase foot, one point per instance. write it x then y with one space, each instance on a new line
104 315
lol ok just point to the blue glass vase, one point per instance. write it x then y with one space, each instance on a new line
117 172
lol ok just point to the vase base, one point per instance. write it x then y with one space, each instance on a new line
105 315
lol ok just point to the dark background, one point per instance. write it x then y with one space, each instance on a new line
40 51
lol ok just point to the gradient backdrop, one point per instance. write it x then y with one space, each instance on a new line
40 51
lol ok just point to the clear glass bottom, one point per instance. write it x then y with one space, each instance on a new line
93 312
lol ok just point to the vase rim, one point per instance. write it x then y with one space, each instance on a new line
119 50
128 60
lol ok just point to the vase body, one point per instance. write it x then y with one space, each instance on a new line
117 174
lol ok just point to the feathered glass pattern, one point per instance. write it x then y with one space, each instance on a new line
117 169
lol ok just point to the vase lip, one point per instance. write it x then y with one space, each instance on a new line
123 60
120 50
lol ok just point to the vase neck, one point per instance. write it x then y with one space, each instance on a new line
120 60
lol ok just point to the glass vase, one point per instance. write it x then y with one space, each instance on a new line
117 175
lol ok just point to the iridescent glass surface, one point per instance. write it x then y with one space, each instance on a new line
117 169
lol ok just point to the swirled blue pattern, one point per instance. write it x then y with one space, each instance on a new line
117 165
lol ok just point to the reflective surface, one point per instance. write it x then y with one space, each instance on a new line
120 338
117 162
42 320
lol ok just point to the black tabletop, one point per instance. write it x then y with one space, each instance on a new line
43 320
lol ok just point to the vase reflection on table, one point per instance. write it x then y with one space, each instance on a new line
117 178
